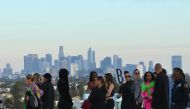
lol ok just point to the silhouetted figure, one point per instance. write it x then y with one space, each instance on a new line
48 96
65 101
161 89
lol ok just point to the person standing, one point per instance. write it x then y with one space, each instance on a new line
160 98
91 84
38 82
48 96
127 90
65 101
31 96
138 81
180 90
110 91
98 94
147 88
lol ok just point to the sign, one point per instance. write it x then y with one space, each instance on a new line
120 76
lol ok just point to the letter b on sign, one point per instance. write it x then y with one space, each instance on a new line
119 76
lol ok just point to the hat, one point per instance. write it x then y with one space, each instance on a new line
48 76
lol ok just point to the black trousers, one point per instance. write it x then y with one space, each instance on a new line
178 107
110 104
139 106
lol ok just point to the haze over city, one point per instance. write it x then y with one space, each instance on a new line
135 30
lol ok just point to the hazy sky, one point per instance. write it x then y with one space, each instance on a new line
134 29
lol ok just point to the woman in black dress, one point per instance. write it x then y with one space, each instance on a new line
127 92
98 94
110 91
65 101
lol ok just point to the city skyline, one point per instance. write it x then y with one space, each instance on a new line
136 30
49 55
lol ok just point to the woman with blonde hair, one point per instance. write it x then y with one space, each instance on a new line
32 95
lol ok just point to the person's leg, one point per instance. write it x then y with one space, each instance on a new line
110 104
139 106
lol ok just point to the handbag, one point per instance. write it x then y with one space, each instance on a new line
86 104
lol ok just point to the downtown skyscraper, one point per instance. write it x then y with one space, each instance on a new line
61 53
176 61
49 59
31 63
91 59
117 62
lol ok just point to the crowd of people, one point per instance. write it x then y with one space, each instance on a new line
40 92
150 92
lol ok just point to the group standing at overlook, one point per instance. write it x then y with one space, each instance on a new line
150 92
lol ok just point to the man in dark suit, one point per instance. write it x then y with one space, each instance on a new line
161 89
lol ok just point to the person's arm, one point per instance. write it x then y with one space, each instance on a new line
44 89
185 93
49 96
165 83
157 91
151 91
88 87
132 88
109 91
139 98
143 93
119 92
46 95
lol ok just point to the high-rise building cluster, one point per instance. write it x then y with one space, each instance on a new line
78 65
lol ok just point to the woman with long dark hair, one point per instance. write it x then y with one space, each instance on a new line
65 101
147 88
110 91
91 85
98 94
127 91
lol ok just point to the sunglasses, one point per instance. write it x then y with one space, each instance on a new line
137 73
127 76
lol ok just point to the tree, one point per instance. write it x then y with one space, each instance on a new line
8 102
18 92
